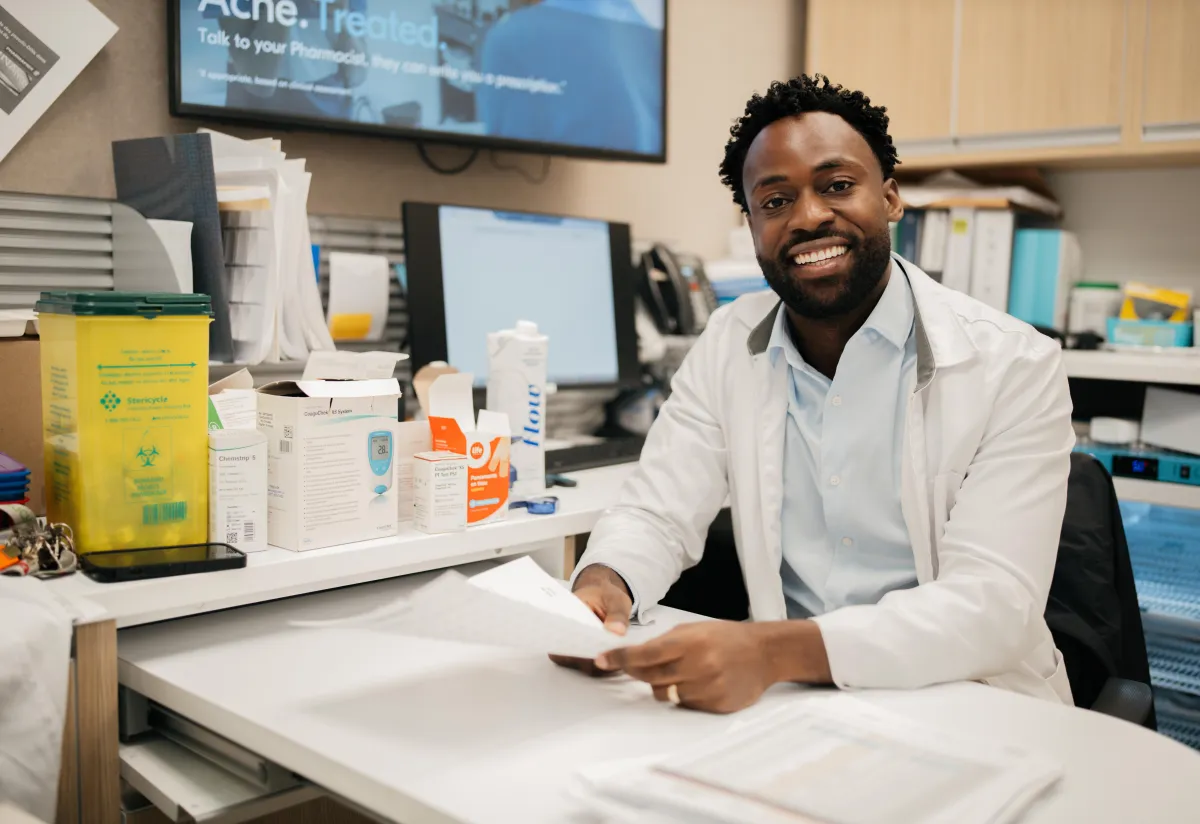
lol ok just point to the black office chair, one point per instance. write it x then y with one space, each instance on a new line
1092 610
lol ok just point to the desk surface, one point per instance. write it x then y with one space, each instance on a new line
420 731
278 573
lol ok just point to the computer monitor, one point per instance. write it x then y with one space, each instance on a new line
472 271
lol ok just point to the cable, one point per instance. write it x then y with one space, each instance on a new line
443 170
504 167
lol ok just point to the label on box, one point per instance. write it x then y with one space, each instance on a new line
237 491
439 492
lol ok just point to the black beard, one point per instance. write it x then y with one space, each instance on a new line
871 260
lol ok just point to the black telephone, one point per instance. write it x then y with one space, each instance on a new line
675 291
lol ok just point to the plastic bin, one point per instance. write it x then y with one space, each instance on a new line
124 416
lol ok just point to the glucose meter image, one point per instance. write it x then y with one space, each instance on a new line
379 459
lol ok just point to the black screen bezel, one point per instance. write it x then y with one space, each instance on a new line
427 306
217 113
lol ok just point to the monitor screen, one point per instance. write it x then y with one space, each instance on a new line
582 77
473 271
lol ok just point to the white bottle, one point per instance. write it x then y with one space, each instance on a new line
517 388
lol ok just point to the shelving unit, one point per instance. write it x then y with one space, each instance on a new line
1157 492
1183 368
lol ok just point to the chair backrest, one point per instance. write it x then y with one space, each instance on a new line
1093 610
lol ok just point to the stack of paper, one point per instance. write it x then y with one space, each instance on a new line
515 605
836 760
275 304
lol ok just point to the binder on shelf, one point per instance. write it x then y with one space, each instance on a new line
931 249
1046 265
991 256
908 235
957 271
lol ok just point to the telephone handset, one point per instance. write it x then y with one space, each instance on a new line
676 291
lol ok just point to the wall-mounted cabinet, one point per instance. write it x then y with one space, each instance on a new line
900 53
985 82
1171 86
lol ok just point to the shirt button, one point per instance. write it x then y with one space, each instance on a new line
837 400
847 542
834 480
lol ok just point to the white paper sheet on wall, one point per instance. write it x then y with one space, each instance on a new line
43 48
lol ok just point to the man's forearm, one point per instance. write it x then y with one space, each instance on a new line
794 651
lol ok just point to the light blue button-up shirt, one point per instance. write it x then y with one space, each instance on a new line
844 537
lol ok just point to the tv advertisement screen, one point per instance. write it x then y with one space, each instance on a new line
576 77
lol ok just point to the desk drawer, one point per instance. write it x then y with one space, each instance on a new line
193 775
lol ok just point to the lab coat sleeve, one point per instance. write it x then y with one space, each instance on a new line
661 520
980 615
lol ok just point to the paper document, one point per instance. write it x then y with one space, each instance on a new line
43 48
516 605
836 760
358 295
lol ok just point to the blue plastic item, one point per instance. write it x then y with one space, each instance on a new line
1149 333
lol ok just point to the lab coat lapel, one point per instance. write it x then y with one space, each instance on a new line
772 398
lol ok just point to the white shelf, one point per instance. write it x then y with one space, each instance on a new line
1134 366
1158 492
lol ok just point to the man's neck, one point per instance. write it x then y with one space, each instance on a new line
821 341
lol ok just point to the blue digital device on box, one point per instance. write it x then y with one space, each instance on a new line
379 459
1146 464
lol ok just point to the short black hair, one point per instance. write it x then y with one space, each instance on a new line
795 97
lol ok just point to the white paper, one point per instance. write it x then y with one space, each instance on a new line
358 285
837 759
44 46
523 580
451 608
352 366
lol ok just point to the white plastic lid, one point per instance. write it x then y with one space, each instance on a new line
526 327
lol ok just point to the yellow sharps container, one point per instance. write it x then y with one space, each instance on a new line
124 416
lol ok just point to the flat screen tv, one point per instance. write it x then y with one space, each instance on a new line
571 77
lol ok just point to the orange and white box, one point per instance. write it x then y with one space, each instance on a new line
484 442
439 492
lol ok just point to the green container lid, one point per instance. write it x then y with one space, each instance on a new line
140 304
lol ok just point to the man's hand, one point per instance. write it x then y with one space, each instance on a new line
723 666
605 593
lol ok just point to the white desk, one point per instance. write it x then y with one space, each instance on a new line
89 785
417 731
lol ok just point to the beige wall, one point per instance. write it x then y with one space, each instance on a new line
720 51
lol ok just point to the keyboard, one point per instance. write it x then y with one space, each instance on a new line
608 452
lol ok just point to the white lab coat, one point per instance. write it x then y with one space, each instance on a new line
984 482
35 656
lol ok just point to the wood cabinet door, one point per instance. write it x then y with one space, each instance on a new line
900 53
1038 66
1171 89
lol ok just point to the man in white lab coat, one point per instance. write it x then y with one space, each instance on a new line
895 453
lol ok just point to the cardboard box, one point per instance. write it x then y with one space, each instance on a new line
439 492
331 468
484 442
21 412
1171 420
233 403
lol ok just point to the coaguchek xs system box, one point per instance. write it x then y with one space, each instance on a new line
331 469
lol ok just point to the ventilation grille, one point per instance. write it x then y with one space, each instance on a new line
53 243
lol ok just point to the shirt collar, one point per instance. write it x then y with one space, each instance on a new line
892 318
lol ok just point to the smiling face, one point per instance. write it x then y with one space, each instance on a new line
819 208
